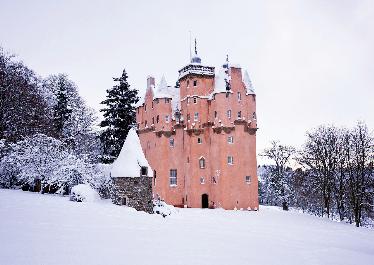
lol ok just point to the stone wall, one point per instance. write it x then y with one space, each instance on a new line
134 192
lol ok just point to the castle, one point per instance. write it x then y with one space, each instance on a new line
199 137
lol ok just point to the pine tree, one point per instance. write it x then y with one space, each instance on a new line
61 111
119 117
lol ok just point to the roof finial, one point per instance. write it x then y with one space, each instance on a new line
195 47
227 58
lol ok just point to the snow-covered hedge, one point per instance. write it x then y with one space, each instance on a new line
162 208
84 193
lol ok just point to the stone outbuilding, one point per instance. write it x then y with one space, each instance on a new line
132 176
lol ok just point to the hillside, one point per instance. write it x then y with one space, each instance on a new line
47 229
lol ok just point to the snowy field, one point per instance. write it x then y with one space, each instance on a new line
46 229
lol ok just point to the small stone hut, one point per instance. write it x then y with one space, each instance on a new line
132 176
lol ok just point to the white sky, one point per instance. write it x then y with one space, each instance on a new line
311 62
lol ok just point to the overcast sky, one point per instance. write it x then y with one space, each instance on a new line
311 62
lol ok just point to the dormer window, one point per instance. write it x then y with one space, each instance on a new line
195 83
144 171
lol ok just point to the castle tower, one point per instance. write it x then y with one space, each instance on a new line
205 154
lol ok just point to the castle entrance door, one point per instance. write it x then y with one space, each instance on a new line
204 201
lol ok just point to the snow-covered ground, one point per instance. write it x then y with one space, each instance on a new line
47 229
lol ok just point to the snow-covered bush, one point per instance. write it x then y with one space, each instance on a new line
162 208
84 193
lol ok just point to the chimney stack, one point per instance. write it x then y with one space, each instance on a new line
150 81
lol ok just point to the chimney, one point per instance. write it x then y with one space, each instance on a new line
150 81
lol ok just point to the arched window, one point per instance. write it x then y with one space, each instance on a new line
202 162
157 118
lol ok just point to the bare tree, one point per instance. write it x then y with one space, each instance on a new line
281 155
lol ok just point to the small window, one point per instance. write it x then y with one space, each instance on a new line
152 105
195 83
157 118
154 177
167 118
254 116
199 140
173 177
227 94
215 114
188 117
230 160
202 180
229 114
239 114
230 139
248 179
171 142
196 116
239 96
144 171
145 107
202 162
153 120
188 100
145 123
138 125
194 100
188 83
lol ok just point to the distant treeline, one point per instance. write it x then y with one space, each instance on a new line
334 176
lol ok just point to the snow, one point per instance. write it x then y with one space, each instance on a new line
84 193
248 84
131 158
49 229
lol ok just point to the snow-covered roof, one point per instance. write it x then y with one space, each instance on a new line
130 159
248 84
163 90
220 81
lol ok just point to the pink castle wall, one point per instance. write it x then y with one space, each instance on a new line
229 190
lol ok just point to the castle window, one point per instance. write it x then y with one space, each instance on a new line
230 139
188 83
227 94
248 179
195 83
145 107
194 100
188 159
153 120
230 160
145 123
167 118
171 142
196 116
144 171
199 140
152 104
138 126
166 100
173 177
157 118
188 100
188 117
202 162
254 116
239 96
239 114
202 180
229 114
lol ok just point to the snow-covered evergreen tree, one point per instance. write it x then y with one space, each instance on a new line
61 110
119 116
